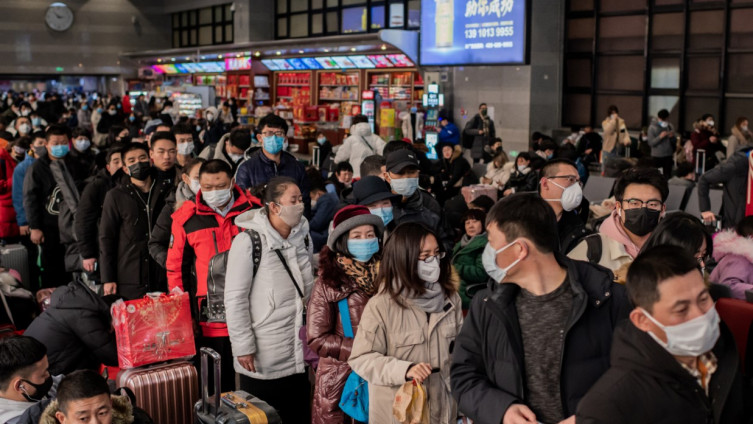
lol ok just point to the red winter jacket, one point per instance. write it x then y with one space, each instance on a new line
8 226
198 234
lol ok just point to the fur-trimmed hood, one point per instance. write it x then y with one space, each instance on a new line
122 411
729 242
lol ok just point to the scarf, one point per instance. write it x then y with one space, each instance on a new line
466 240
364 275
432 301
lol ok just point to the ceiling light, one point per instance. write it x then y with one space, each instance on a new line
172 59
257 54
159 60
352 49
219 56
278 53
384 47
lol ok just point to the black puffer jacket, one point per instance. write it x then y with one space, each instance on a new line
90 211
488 365
647 385
76 330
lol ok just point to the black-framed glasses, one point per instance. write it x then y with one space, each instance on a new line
638 203
429 259
571 179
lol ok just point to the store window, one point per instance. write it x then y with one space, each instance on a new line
203 27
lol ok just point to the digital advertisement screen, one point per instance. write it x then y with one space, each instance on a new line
297 64
311 63
212 66
381 61
270 64
327 62
473 32
343 62
362 62
400 60
284 65
354 20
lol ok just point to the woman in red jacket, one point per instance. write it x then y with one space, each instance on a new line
348 268
8 161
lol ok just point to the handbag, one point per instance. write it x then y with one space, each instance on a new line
354 401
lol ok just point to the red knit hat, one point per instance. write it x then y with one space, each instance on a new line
350 217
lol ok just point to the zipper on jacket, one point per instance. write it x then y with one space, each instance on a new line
570 325
214 238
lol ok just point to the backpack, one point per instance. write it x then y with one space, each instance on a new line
354 401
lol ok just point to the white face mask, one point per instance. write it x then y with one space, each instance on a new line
571 196
235 158
195 186
429 272
82 144
744 128
710 123
185 148
691 338
489 259
522 168
24 128
217 198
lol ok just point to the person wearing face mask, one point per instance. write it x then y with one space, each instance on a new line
479 133
640 194
37 122
615 134
201 229
324 204
23 126
361 143
466 256
215 128
522 178
560 186
9 230
453 172
669 363
36 149
705 136
84 116
271 161
230 149
111 116
687 233
546 149
325 149
26 384
551 316
96 116
348 266
407 330
374 193
416 205
82 154
129 213
741 136
264 331
185 142
662 139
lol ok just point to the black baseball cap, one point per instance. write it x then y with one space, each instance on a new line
398 160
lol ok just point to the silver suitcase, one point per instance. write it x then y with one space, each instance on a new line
15 256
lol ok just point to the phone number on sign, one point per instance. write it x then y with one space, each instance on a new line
505 31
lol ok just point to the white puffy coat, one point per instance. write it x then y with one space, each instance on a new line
361 144
264 313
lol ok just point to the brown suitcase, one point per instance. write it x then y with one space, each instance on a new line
167 392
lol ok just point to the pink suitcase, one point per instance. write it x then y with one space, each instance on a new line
167 392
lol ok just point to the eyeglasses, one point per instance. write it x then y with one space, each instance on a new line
271 133
638 203
571 179
429 259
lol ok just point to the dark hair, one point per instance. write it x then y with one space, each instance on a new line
315 179
113 133
612 109
474 214
681 230
23 142
526 215
394 146
397 272
37 134
547 144
706 116
274 189
482 104
78 132
182 128
358 119
651 268
114 149
684 168
79 385
343 166
17 355
484 202
663 114
641 175
215 166
161 135
372 165
739 121
553 166
133 146
240 137
744 228
524 155
272 121
191 164
57 129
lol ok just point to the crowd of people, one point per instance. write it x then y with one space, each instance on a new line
524 304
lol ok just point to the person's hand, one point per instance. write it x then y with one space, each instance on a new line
89 264
570 420
589 151
485 180
519 414
24 230
37 237
481 132
110 288
507 192
247 362
708 216
713 139
662 134
419 372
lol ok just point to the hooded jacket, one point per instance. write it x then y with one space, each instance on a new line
450 134
90 212
75 328
122 412
648 385
159 241
488 362
41 203
8 225
217 151
612 228
734 256
264 311
259 169
361 144
733 173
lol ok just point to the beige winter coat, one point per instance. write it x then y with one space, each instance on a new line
613 132
390 339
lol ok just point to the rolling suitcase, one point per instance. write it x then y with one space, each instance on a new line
15 256
236 407
166 392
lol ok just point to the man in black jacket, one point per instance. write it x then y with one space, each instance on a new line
560 186
535 341
90 207
479 133
672 362
734 175
128 216
163 153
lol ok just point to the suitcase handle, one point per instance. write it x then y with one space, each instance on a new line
206 353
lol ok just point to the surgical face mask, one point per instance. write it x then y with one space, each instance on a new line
273 144
82 144
24 128
235 158
384 213
641 221
25 112
36 122
571 196
217 198
292 214
195 186
18 150
691 338
404 186
185 148
363 249
430 272
112 112
522 168
167 110
210 117
59 150
40 390
198 128
549 156
663 124
321 140
131 118
39 151
710 123
489 259
744 128
85 107
413 109
140 170
99 110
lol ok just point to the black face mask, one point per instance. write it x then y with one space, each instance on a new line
140 170
641 221
40 390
